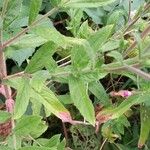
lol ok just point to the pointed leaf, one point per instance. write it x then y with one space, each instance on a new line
42 57
78 91
50 101
87 3
22 98
26 125
100 37
98 90
35 6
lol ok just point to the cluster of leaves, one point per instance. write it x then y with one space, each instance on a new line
109 39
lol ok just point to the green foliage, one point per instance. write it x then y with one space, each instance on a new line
34 10
76 58
81 100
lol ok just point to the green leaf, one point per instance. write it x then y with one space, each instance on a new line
98 90
116 55
13 11
38 79
4 116
42 58
79 57
110 45
39 130
26 125
22 49
35 6
113 113
51 34
22 98
145 124
65 99
87 3
100 37
53 141
28 41
36 148
78 91
19 55
50 101
61 145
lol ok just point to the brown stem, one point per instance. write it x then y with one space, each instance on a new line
65 132
143 35
136 18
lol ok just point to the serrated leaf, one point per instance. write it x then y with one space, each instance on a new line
22 98
50 102
87 3
28 41
51 34
79 57
26 125
4 116
100 37
38 79
22 49
78 92
110 45
42 58
98 90
35 6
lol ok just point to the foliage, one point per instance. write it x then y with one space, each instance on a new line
66 58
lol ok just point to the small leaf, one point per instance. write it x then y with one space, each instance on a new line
61 146
79 57
39 130
78 91
35 6
42 58
116 55
22 98
51 34
98 90
23 48
38 79
51 103
53 141
87 3
100 37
